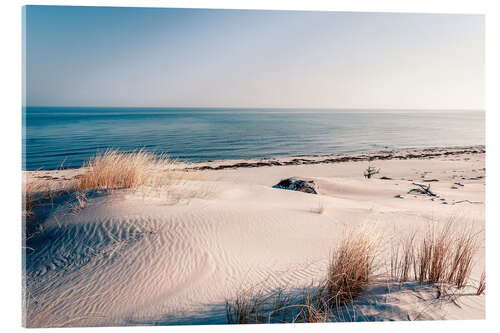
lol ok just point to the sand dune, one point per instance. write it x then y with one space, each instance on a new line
148 257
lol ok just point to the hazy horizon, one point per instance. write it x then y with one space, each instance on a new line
242 108
255 59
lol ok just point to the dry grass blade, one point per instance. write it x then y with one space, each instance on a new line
461 264
278 306
246 308
440 244
482 284
402 265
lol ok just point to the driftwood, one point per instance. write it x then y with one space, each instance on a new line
423 189
370 171
471 202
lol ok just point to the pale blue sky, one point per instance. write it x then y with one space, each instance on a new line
97 56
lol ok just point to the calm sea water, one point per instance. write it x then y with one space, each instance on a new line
69 136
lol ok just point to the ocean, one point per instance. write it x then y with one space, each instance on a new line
66 137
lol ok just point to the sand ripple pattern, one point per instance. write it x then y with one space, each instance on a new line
111 266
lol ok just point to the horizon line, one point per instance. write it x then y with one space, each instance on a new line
249 108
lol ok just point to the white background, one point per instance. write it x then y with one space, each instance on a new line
10 179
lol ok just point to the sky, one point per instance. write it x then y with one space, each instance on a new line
152 57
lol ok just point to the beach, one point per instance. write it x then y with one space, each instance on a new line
176 253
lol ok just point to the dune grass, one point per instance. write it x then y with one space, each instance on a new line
124 170
443 255
113 170
350 268
256 306
403 261
349 271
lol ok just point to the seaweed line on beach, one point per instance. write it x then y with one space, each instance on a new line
425 153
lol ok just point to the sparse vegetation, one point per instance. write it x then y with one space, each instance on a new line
255 306
31 195
124 170
403 259
279 306
482 284
370 171
37 196
80 201
443 255
350 268
349 271
114 170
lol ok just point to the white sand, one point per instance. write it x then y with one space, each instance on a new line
148 257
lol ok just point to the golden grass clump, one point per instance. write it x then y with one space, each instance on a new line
123 170
435 253
351 267
443 255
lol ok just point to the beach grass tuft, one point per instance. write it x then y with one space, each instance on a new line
114 169
443 255
351 267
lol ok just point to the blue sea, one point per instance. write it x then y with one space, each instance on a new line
66 137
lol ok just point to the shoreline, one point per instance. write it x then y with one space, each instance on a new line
399 154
